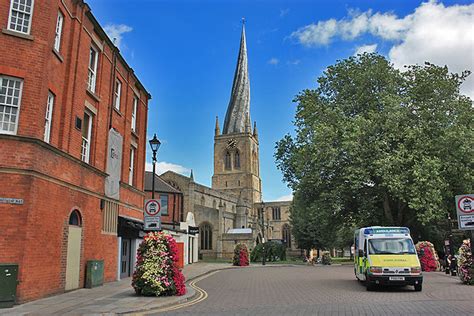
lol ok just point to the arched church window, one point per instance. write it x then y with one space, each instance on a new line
75 218
227 161
286 235
237 160
205 234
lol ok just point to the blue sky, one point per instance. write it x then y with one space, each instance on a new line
185 53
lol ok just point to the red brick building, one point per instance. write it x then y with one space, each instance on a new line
72 147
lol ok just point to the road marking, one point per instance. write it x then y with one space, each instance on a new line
201 296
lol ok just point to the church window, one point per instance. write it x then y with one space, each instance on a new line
214 204
205 233
286 236
260 214
237 160
227 161
276 213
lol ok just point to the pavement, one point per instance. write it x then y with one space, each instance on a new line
111 298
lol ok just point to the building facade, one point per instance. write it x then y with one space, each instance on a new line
232 209
72 136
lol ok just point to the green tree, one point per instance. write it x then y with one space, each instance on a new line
378 146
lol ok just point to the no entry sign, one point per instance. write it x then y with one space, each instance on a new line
465 211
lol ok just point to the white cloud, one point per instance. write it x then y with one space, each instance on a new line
273 61
442 35
365 49
116 31
293 62
288 197
163 166
284 12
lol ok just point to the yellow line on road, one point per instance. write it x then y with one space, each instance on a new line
201 296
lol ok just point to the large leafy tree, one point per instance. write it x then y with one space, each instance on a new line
378 146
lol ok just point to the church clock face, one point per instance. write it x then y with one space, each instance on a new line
231 143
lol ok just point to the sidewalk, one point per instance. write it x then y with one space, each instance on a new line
111 298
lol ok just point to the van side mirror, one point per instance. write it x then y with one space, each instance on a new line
361 253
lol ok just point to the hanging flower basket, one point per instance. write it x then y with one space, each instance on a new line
156 271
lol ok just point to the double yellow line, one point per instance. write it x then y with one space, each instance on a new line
200 296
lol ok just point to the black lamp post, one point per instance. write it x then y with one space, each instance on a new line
154 144
264 254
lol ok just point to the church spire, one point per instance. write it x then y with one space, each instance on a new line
217 130
238 111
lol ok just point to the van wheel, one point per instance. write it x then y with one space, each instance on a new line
369 286
418 287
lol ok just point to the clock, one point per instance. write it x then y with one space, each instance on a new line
231 143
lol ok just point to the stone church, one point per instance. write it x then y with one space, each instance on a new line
232 210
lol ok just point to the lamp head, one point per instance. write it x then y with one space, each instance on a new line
155 144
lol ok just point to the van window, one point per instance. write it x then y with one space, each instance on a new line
391 246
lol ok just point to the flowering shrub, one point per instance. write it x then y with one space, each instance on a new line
428 258
466 268
156 271
241 255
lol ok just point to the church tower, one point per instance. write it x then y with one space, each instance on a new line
236 150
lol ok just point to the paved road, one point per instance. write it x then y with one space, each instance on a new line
325 290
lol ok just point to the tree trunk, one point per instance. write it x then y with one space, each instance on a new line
387 209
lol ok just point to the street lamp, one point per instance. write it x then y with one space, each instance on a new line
262 226
154 144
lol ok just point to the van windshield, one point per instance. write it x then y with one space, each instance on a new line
393 246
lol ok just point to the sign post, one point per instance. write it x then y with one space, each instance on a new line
465 212
152 215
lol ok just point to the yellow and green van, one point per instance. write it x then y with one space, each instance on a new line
386 256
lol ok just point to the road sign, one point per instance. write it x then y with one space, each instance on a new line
152 215
465 211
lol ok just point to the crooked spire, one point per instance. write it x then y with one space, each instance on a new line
237 117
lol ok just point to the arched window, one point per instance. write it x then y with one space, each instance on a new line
227 162
75 218
237 160
286 235
205 233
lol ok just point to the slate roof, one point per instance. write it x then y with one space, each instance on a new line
160 184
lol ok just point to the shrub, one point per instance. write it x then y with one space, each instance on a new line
428 257
156 271
241 255
466 267
274 252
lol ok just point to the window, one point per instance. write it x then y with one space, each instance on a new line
131 166
237 160
59 29
86 137
20 16
10 99
164 204
205 234
134 114
92 76
276 213
110 217
260 214
227 162
118 92
48 117
75 218
286 235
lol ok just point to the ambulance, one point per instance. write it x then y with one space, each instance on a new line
386 256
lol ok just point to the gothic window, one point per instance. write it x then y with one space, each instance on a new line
237 160
205 233
260 214
286 235
75 218
276 213
227 162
